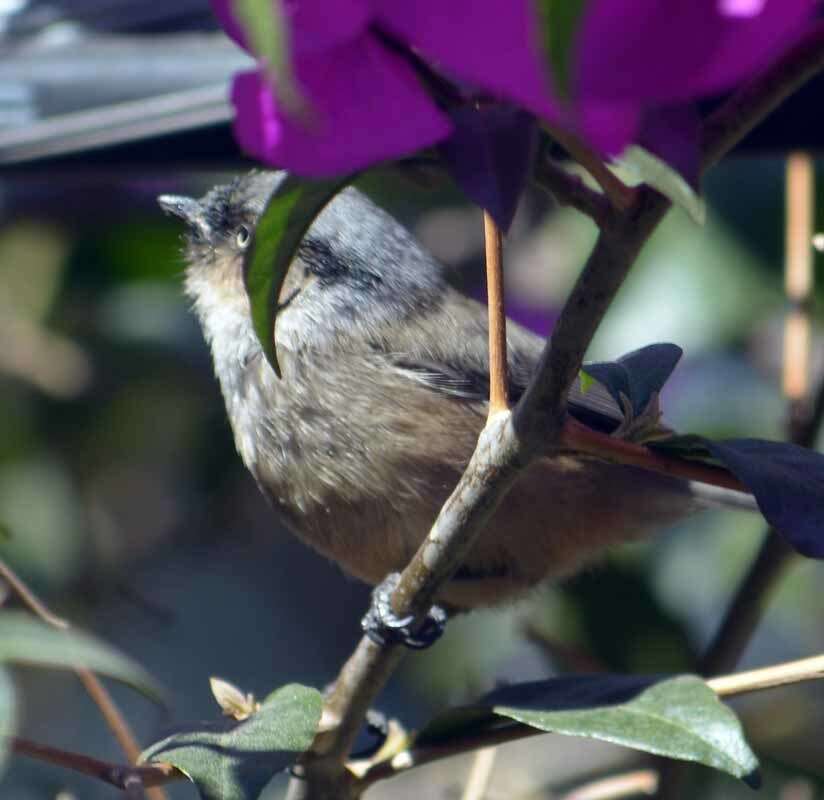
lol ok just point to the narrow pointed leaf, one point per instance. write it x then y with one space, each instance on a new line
231 760
788 484
289 212
26 640
673 135
786 480
490 156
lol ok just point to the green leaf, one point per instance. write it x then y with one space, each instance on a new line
585 380
26 640
638 165
230 760
264 24
679 718
8 715
560 21
289 212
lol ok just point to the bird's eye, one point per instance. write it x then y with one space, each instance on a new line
243 237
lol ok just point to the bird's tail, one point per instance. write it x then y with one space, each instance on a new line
709 496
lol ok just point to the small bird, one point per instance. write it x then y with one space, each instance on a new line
383 394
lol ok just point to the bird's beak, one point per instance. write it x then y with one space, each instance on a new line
188 209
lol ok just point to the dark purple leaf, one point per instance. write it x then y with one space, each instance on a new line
490 156
567 692
673 135
788 484
571 691
637 375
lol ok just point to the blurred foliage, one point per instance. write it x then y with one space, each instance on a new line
129 509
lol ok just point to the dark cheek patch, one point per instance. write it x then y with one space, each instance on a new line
331 267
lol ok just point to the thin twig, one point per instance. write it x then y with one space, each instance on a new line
627 784
29 599
570 190
115 774
585 440
620 195
798 287
498 400
480 774
99 694
119 727
756 680
111 714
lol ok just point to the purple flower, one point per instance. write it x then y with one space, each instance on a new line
635 56
634 69
366 102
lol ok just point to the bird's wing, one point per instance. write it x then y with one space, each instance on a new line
456 364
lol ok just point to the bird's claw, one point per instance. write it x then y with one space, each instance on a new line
383 626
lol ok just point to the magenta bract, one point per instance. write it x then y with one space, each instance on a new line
366 103
357 63
631 55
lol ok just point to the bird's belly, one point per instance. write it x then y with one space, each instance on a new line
559 515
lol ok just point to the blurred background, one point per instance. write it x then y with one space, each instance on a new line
129 512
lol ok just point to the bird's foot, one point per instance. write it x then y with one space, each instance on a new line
383 626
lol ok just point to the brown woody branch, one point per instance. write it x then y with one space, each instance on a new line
570 190
117 775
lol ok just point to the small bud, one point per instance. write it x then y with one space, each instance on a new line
232 701
403 760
